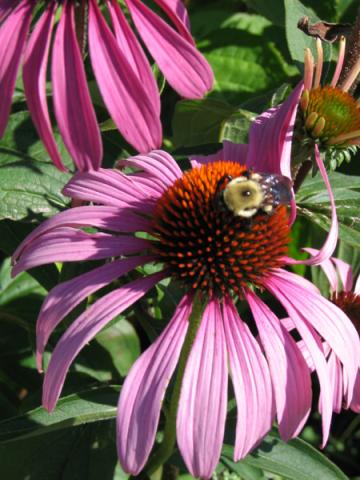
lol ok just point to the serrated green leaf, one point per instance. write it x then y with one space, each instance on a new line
295 460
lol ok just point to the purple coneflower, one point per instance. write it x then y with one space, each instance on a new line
121 68
217 257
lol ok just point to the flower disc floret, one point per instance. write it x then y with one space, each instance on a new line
205 245
330 112
349 302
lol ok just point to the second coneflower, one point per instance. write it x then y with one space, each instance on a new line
121 68
221 253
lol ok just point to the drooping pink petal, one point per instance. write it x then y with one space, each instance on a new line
109 187
34 77
270 137
313 345
62 299
124 95
13 33
72 102
251 381
203 398
355 402
289 372
345 273
159 164
67 244
144 389
335 371
108 218
330 322
134 53
328 268
178 14
329 245
183 66
84 329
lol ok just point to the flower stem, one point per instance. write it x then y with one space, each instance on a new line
167 445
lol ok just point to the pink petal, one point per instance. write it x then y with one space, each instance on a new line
144 389
110 187
314 347
328 268
84 329
34 76
13 33
329 321
355 402
72 102
203 399
345 273
178 14
183 66
124 95
335 371
270 137
289 372
158 164
62 299
67 244
134 53
251 381
108 218
331 240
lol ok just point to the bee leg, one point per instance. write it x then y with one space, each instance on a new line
218 200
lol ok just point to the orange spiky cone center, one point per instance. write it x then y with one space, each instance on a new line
205 245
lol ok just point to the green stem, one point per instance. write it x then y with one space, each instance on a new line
167 445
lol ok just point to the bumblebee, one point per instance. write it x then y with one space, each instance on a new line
244 196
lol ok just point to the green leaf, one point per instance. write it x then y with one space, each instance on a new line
314 204
273 11
298 40
77 409
30 185
12 289
236 128
295 460
198 122
121 342
246 57
87 452
11 234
